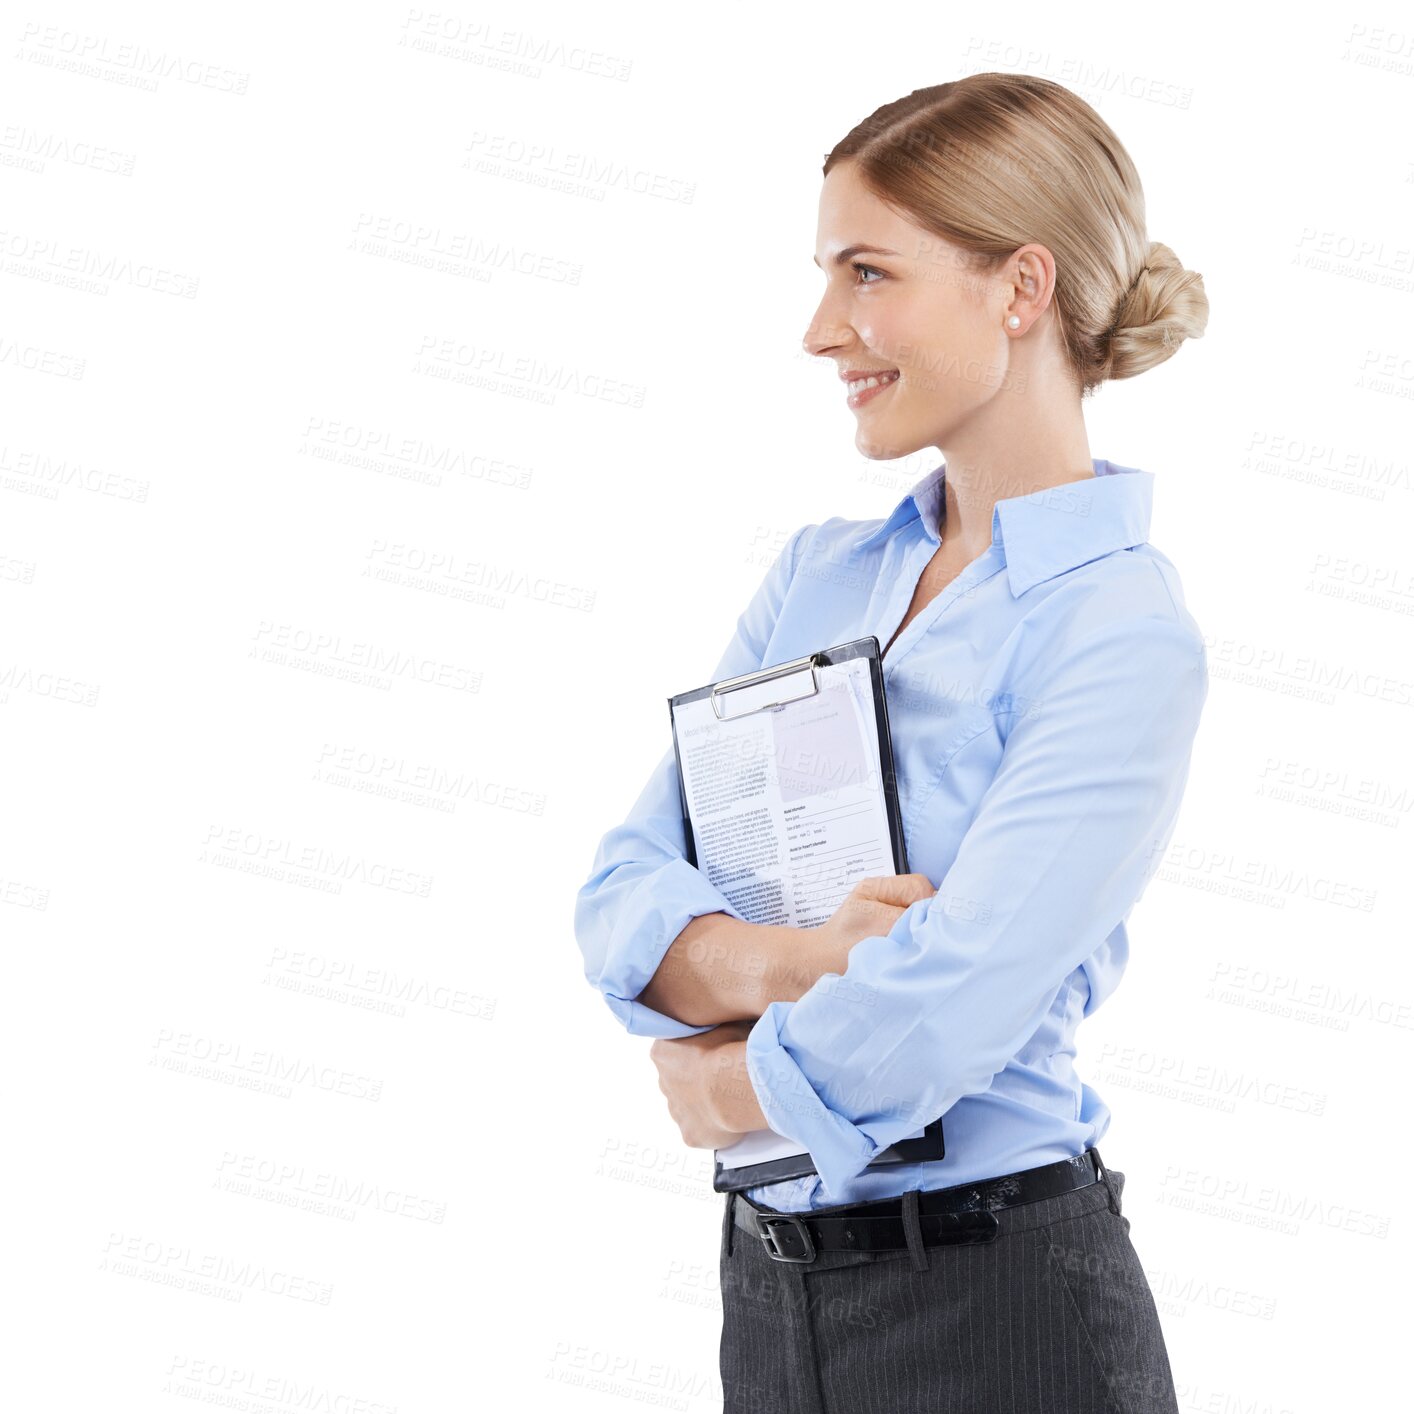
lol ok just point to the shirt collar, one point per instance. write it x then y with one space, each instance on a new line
1048 532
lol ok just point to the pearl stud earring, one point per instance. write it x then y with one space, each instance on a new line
1014 322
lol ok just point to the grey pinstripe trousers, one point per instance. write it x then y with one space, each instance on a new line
1053 1317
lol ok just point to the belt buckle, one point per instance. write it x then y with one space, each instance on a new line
766 1223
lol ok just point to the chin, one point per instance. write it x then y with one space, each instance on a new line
882 450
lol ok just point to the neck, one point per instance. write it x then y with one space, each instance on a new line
1012 447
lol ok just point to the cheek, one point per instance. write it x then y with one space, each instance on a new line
948 360
891 327
907 336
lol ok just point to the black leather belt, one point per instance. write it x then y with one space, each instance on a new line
945 1216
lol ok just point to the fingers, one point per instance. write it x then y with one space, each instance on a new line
897 890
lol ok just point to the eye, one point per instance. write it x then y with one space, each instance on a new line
860 266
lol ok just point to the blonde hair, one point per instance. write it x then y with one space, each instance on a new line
994 161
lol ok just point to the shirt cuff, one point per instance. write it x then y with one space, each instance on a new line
839 1149
640 1020
660 908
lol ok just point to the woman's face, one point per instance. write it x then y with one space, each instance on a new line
915 315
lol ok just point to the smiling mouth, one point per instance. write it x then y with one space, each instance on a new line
863 389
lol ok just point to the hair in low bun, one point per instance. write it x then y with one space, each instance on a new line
1164 305
993 161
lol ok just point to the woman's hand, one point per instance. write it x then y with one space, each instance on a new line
871 908
703 1076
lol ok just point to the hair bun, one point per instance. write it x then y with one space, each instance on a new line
1164 304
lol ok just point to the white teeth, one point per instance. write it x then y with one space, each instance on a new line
864 384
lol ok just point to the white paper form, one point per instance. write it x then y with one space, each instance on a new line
787 804
788 813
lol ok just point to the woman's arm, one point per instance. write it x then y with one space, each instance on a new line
720 968
642 893
1064 840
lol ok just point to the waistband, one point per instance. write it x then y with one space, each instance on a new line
967 1213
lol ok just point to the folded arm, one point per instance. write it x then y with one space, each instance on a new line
636 913
1061 847
721 969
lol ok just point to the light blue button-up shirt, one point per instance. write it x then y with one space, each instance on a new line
1043 709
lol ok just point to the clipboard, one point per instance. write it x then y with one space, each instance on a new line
730 745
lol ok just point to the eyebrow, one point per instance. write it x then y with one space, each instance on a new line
850 251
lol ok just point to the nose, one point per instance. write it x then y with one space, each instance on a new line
826 335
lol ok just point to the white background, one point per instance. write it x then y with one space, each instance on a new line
399 406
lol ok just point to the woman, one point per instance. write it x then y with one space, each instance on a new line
986 267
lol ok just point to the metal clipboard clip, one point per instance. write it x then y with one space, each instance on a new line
768 687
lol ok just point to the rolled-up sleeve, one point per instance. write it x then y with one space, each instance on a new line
1065 839
642 892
